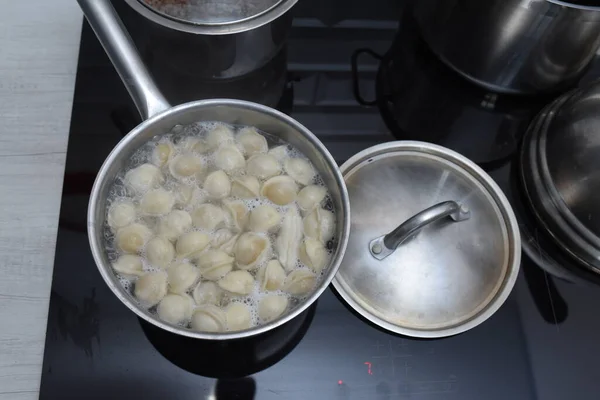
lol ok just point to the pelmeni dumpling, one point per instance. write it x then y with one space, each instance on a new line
271 276
229 158
143 178
151 288
120 214
238 316
313 254
189 196
225 240
129 265
160 252
245 187
281 190
133 238
186 166
193 144
311 197
238 214
157 202
214 264
207 293
162 153
209 318
251 250
288 241
264 218
279 152
299 169
319 224
217 185
299 282
191 243
252 142
263 166
271 306
175 308
209 217
182 277
219 135
174 224
237 282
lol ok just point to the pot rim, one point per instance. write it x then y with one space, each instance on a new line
109 276
226 28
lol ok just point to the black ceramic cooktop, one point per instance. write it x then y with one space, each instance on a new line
97 349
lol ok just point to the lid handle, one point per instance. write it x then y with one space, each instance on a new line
385 245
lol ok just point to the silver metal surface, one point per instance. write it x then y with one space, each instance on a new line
560 171
449 278
225 110
517 46
385 245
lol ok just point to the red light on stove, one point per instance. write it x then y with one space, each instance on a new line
340 382
368 364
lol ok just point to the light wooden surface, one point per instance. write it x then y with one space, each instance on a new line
39 43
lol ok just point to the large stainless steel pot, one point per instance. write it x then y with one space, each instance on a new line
160 117
518 46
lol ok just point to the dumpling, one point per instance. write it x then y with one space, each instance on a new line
238 317
271 306
225 240
299 169
143 178
217 136
194 144
174 224
299 282
129 265
313 254
320 225
237 282
133 238
311 197
209 217
151 288
188 196
186 166
251 250
245 187
252 142
120 214
288 241
191 243
214 264
263 166
160 252
207 293
162 152
209 318
182 277
157 202
279 152
217 185
238 214
281 190
271 276
264 218
229 158
175 308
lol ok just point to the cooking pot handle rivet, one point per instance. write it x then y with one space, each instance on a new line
385 245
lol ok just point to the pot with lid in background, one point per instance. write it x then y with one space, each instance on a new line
434 246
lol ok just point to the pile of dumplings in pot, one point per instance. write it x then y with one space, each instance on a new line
219 228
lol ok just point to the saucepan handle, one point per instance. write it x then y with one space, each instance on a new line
122 52
385 245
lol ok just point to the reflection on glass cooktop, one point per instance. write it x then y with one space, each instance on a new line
97 349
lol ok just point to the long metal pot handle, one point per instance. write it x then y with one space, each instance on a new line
122 52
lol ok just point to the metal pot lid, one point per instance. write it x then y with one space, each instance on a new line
211 12
434 246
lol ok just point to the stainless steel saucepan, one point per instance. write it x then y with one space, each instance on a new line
447 268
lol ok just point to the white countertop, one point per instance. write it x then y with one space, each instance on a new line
39 43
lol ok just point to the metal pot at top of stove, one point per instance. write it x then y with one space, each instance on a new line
515 46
